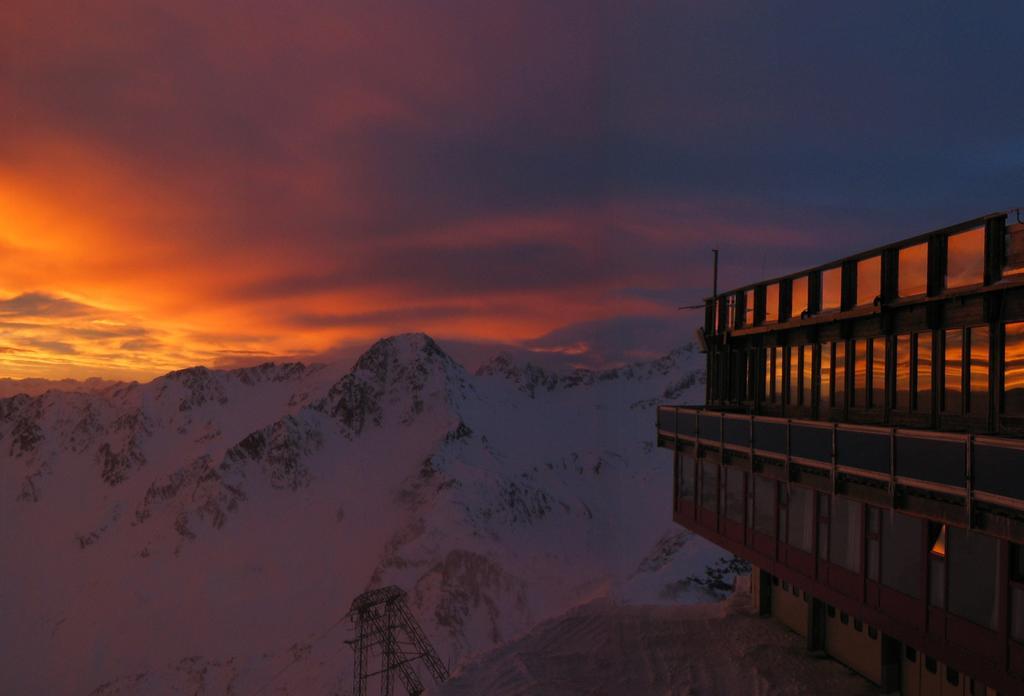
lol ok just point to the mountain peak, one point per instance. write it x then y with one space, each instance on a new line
409 369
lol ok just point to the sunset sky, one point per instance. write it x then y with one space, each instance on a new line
224 183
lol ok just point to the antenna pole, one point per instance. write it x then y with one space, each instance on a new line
714 287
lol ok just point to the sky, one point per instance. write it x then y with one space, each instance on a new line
224 183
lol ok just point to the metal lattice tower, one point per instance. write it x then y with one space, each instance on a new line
384 625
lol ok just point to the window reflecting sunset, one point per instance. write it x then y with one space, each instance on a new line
860 372
869 280
965 258
878 372
1013 368
953 371
913 270
979 371
902 395
831 288
825 384
771 303
799 306
924 371
839 389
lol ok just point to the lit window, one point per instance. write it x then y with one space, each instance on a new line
1013 368
748 308
938 547
768 393
771 302
799 297
831 288
869 280
965 258
913 270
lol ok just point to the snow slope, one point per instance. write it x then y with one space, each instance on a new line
607 648
209 529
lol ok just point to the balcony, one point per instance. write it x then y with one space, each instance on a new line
964 479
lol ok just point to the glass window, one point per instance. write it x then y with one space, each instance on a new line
768 396
965 258
823 524
801 519
913 270
735 484
709 486
687 477
953 371
799 297
1013 368
902 395
771 302
902 552
1014 258
764 505
831 288
860 372
846 533
869 280
978 375
1017 613
807 378
924 371
780 361
825 385
974 576
839 389
748 308
794 375
872 540
878 372
731 302
937 565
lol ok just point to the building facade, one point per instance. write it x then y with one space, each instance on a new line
862 444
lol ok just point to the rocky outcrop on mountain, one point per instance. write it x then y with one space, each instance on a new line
397 376
531 379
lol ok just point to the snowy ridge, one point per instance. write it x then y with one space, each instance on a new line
202 528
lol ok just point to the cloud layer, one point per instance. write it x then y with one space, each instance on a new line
202 183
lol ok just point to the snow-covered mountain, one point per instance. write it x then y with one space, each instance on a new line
206 531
